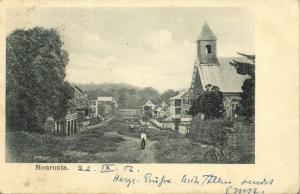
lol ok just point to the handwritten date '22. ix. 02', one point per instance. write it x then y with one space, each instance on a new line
127 180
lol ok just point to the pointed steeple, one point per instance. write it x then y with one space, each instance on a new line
206 33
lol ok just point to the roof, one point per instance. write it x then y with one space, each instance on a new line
181 93
78 89
161 106
105 99
222 75
170 117
149 103
206 33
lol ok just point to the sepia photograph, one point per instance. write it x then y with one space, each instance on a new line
130 85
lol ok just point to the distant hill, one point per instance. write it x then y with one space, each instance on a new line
105 86
127 96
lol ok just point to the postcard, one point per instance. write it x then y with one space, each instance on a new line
149 97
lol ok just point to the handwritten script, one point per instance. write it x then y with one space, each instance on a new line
129 176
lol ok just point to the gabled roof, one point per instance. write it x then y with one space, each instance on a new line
162 106
206 33
78 89
149 103
181 94
222 75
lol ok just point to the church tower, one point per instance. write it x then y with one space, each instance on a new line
207 46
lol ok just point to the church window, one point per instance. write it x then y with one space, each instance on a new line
208 49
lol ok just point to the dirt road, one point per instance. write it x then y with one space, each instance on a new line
99 145
133 145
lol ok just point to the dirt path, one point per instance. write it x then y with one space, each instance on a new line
128 151
132 147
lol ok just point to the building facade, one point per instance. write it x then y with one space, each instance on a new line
105 107
161 111
148 109
77 117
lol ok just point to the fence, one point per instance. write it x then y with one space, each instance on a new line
184 129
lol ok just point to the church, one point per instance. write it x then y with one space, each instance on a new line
217 71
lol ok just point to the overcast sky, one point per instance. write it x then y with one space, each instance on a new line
139 46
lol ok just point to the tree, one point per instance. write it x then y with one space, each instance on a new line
210 103
35 72
248 88
168 94
147 112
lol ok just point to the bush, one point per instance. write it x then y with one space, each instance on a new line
229 155
211 132
94 121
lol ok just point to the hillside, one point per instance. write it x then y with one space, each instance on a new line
127 96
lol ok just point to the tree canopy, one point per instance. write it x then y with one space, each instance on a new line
168 94
35 73
248 88
126 95
210 103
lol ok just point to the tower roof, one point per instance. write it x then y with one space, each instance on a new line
206 33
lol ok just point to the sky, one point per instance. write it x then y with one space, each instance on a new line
139 46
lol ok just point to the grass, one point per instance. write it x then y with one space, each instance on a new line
34 147
181 151
115 142
94 141
235 140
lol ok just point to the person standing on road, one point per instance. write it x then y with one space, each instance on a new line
131 125
143 139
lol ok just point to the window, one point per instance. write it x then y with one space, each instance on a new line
178 102
177 111
185 101
208 49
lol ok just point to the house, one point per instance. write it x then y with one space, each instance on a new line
181 103
161 111
179 108
217 71
77 117
148 109
105 107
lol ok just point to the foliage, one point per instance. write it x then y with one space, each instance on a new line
168 94
127 96
210 103
211 132
148 112
248 88
35 147
180 150
217 132
248 98
35 72
32 147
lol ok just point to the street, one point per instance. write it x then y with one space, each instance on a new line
108 142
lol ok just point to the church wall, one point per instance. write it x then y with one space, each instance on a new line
196 85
